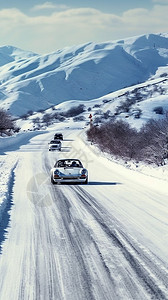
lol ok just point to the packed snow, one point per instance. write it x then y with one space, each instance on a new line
104 240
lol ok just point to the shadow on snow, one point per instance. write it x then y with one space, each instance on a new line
5 211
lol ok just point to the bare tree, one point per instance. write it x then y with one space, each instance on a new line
47 119
6 122
74 111
156 135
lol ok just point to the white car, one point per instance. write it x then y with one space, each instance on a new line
69 170
54 145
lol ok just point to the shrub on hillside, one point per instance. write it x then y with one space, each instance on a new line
115 137
47 119
58 117
74 111
6 122
158 110
155 137
24 116
137 113
164 75
79 118
30 112
97 106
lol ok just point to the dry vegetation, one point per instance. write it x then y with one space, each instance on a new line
7 125
150 144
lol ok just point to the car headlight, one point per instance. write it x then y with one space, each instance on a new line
56 174
83 172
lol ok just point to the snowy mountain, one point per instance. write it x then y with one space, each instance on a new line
10 54
33 82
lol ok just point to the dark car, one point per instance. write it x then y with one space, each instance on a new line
58 136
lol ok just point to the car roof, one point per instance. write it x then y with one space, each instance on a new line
68 159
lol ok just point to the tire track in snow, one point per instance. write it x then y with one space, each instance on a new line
150 277
103 284
146 267
78 265
150 271
61 272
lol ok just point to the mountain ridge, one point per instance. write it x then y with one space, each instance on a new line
32 82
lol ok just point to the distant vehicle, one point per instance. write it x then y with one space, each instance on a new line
70 171
58 136
54 145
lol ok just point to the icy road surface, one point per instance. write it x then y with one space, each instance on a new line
107 240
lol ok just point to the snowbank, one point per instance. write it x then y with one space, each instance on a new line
7 167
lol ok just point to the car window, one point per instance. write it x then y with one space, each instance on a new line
55 142
68 164
61 164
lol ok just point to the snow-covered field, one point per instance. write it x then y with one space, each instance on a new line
105 240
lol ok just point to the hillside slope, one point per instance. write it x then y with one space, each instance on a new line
83 72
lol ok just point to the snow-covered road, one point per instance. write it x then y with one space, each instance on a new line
102 241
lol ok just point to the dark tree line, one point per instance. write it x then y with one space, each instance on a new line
6 122
150 144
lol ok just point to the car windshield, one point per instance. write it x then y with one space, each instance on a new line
55 142
58 135
69 163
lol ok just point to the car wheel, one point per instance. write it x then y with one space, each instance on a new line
52 181
86 181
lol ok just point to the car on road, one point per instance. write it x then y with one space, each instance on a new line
54 145
70 171
58 136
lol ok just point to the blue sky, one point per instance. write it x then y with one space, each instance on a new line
103 5
46 26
